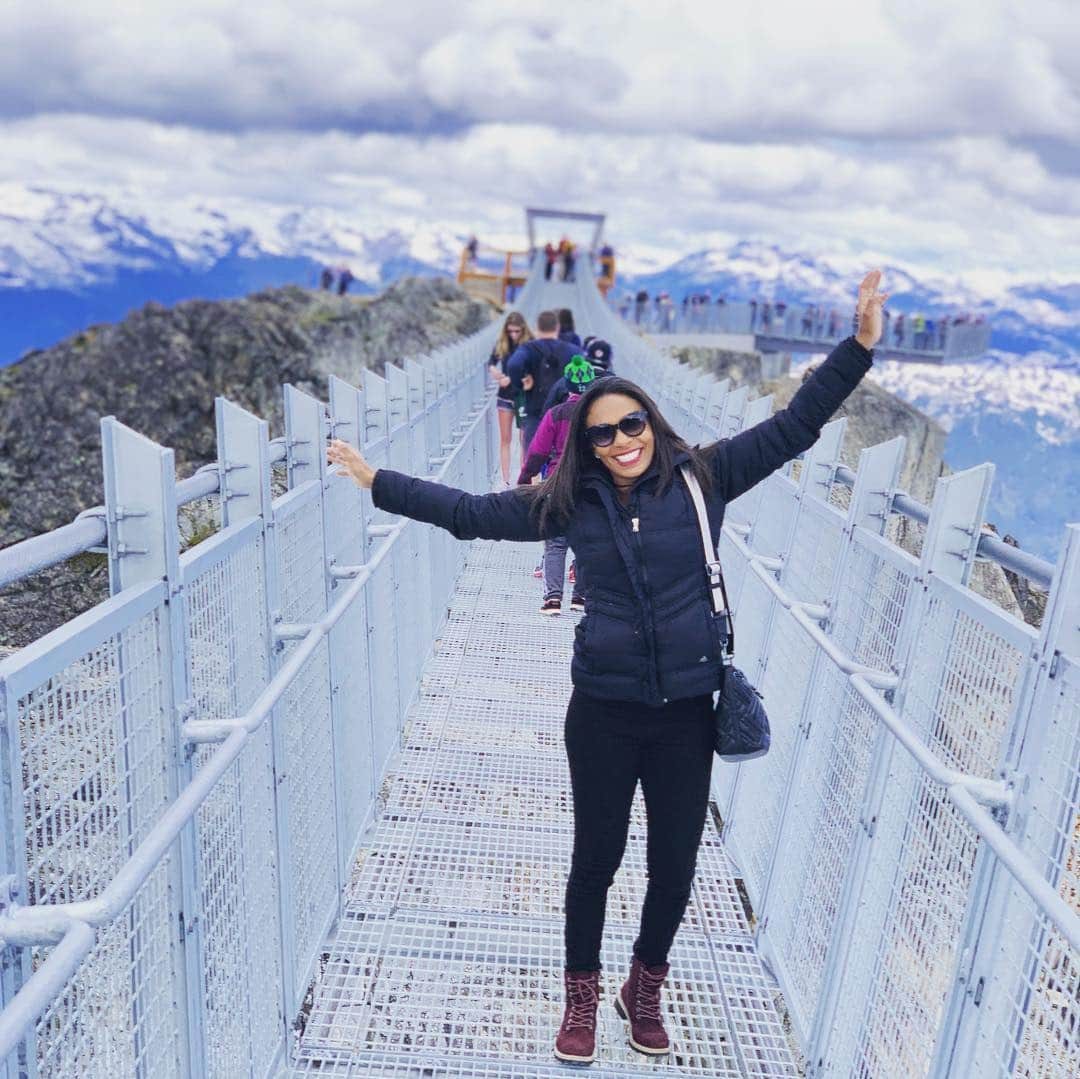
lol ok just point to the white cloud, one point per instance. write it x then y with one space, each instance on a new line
739 69
959 204
857 127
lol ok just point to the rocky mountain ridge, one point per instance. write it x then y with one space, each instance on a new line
159 372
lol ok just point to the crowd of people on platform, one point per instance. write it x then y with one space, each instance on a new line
541 376
766 315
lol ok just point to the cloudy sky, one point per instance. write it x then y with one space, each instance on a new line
945 134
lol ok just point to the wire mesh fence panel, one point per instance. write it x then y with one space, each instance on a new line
95 743
966 671
350 662
119 1014
238 920
829 788
763 785
382 622
410 595
1028 1020
306 771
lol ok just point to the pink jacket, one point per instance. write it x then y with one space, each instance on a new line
550 439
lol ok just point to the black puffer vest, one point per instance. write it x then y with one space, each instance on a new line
649 634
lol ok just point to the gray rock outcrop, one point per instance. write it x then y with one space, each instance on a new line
159 371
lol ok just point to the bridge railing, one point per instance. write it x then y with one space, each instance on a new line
911 844
819 327
188 766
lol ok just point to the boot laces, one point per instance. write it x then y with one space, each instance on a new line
583 998
648 995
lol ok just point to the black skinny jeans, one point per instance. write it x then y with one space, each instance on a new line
610 746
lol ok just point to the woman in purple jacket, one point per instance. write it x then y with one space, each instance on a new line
544 451
648 653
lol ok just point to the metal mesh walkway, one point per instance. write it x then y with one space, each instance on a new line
448 958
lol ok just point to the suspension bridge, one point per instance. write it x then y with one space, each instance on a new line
294 802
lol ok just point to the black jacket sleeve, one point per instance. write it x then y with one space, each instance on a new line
502 516
745 460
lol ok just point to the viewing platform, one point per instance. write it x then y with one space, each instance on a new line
741 326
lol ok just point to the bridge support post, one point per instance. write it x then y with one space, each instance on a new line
306 430
144 545
380 595
714 408
243 442
348 510
775 364
419 451
731 417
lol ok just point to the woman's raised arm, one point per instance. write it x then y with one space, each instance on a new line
505 515
745 460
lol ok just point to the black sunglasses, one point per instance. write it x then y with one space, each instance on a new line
631 425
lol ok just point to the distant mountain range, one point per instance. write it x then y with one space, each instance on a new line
68 260
1026 316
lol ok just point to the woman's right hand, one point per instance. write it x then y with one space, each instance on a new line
868 310
352 463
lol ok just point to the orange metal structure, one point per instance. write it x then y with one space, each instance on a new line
489 284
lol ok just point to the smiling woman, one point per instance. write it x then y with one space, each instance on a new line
648 653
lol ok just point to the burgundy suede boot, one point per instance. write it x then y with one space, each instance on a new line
639 1002
576 1041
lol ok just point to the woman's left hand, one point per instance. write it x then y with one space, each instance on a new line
868 310
352 463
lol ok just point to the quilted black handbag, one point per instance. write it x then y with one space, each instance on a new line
742 726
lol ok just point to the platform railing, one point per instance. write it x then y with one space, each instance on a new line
816 327
189 766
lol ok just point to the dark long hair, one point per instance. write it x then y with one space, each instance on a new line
555 498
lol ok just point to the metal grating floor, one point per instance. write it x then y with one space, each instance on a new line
448 959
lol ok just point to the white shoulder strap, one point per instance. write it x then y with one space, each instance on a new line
712 565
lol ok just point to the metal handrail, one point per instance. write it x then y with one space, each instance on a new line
25 925
990 547
71 927
868 682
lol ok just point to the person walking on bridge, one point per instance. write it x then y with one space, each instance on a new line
543 456
515 332
534 367
648 652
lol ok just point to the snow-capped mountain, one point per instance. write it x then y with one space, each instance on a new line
1026 316
68 260
59 240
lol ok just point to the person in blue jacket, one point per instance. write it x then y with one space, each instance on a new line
536 366
647 654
